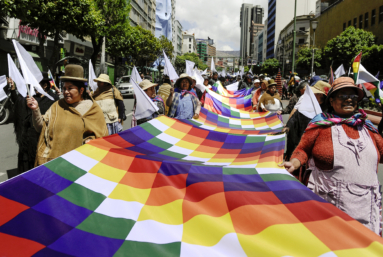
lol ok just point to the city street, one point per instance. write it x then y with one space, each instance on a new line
9 148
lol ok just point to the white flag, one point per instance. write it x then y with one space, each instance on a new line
145 107
92 76
233 87
204 72
251 70
366 77
16 76
135 77
3 83
32 73
339 72
349 71
169 69
199 80
189 67
223 73
309 106
212 66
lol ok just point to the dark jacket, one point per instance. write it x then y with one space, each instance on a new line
243 84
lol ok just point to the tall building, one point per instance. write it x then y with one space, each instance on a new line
280 13
189 43
177 38
143 13
202 49
250 20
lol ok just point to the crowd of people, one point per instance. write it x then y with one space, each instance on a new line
336 154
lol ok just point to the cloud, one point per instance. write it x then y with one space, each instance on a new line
226 48
217 19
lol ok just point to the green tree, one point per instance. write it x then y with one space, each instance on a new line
110 23
304 60
343 48
52 18
180 61
270 66
372 58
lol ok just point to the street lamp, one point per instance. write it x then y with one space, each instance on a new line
314 25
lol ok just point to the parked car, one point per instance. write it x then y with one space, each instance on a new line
125 87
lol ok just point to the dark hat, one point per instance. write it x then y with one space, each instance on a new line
314 80
74 72
345 82
45 77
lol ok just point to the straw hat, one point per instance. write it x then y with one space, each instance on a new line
103 78
272 83
319 87
74 72
145 84
183 76
345 82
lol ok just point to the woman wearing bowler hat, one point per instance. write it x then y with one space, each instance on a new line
69 122
343 149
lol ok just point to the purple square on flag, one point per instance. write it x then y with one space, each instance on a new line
130 137
173 168
36 226
253 146
206 169
63 210
153 148
217 136
297 196
235 139
232 146
47 179
24 191
46 252
142 133
240 178
81 243
140 150
251 187
279 185
199 177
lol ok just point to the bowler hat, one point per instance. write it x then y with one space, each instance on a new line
74 72
319 87
345 82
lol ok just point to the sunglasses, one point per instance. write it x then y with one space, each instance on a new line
346 97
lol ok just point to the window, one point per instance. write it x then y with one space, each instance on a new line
361 21
302 29
349 23
189 46
373 16
344 26
366 20
189 39
381 13
189 51
355 22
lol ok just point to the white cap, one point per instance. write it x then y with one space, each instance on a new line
193 78
257 81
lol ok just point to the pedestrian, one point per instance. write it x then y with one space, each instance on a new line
69 122
298 122
214 78
183 103
164 91
26 135
109 98
271 100
259 93
246 83
343 149
195 89
149 88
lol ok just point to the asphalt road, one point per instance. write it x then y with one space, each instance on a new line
9 148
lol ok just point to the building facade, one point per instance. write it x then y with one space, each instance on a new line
280 13
143 13
202 49
285 46
177 39
250 23
333 20
189 44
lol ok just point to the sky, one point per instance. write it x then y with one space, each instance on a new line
217 19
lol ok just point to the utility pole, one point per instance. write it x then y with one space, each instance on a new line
295 35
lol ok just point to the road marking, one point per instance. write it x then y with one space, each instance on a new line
130 114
